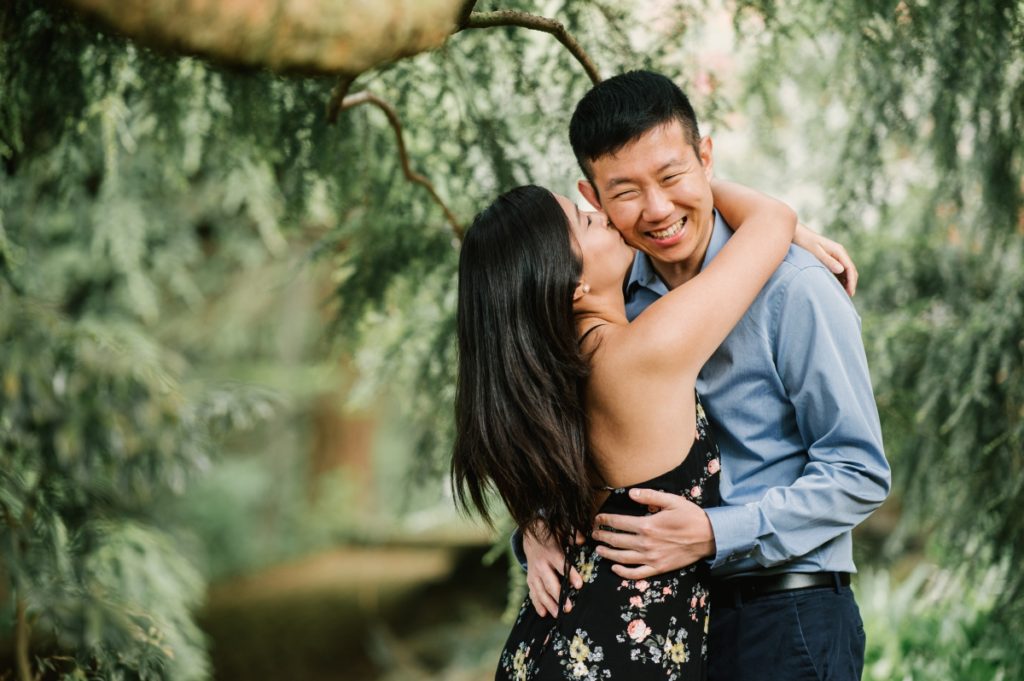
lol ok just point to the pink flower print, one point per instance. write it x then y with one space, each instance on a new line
636 602
696 491
693 602
667 591
638 630
624 584
642 585
702 601
714 466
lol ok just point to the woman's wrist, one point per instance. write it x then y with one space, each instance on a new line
804 236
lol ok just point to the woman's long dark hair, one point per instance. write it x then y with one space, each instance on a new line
520 418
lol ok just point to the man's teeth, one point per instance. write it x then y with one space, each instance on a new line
670 231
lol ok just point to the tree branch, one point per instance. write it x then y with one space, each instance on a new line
338 96
465 13
351 101
536 23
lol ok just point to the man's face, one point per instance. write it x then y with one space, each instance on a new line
657 192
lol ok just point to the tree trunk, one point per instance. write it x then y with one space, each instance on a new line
308 36
343 441
21 641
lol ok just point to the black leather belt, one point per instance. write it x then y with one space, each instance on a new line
738 589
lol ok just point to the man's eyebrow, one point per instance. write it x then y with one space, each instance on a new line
616 181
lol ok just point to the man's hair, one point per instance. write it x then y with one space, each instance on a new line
619 110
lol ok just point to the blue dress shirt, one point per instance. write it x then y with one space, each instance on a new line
790 399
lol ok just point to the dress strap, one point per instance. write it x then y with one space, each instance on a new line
589 331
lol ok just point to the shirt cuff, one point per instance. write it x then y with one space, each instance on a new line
735 529
517 547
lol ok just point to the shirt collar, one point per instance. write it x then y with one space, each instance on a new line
643 275
720 234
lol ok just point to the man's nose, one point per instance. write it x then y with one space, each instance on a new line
658 206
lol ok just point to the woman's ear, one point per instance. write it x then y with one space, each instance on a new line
582 289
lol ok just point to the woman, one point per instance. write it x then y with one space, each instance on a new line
563 406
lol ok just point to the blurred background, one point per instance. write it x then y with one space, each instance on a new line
226 315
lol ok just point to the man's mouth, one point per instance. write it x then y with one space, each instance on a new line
672 230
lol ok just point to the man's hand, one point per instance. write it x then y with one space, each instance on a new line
676 535
545 561
831 254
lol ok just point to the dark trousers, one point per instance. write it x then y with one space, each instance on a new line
813 634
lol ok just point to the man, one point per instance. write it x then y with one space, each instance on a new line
788 393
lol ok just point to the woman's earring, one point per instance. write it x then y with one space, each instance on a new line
586 288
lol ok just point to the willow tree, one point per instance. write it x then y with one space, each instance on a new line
918 120
138 179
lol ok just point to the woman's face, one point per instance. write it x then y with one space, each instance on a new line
606 257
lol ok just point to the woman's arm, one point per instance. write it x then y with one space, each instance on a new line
684 327
831 253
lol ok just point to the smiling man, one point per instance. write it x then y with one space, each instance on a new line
788 393
657 186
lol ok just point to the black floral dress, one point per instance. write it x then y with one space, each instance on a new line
618 628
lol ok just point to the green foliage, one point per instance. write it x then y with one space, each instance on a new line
924 124
156 211
139 594
100 422
247 513
953 368
934 90
142 198
946 334
934 625
93 432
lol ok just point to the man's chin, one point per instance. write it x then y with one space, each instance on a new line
674 255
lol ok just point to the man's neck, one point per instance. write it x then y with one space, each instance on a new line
676 274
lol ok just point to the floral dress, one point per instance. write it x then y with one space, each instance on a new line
653 628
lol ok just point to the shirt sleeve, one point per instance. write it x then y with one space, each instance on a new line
821 362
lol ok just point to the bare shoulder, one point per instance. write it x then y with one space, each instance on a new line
638 416
629 353
652 345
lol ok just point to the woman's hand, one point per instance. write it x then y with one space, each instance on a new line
831 254
545 561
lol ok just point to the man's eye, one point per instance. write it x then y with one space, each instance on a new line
671 177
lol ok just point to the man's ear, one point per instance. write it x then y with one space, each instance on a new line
589 193
706 157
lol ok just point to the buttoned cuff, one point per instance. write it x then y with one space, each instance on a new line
735 529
